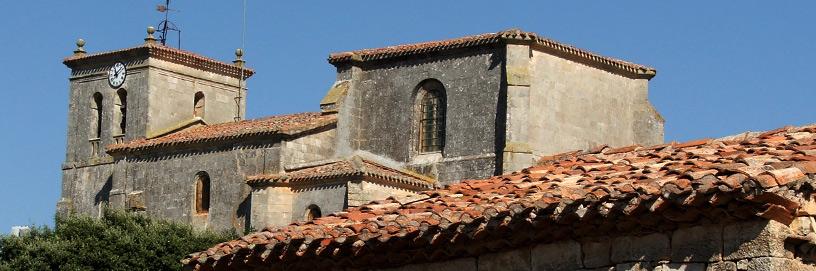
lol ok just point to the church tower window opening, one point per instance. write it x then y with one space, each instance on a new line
96 116
121 112
202 193
198 105
312 212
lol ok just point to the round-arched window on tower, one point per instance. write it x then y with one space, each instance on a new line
312 212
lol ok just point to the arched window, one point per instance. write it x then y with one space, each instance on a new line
121 111
202 195
312 212
431 116
198 105
96 115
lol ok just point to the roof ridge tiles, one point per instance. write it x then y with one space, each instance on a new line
288 124
511 35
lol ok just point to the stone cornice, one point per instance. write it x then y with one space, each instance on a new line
165 53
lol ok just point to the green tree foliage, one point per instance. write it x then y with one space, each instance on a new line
117 241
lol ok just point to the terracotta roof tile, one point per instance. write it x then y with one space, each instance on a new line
567 196
283 124
512 35
168 54
353 167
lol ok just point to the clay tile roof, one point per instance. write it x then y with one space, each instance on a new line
512 35
274 125
354 167
167 54
582 194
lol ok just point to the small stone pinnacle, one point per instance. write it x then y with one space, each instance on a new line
80 50
150 39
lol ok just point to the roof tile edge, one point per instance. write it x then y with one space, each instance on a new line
537 41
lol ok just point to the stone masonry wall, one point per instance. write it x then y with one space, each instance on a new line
172 91
308 148
168 183
383 101
85 190
574 106
279 206
752 245
363 192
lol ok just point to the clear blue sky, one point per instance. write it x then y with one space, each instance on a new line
723 67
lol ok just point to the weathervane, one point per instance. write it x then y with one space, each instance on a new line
166 25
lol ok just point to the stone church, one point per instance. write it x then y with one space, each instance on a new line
163 131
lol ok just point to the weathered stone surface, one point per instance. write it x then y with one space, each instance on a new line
697 244
596 254
649 248
772 263
514 260
635 266
755 239
556 256
722 266
681 267
578 107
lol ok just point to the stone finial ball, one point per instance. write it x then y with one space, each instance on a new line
151 30
239 52
80 42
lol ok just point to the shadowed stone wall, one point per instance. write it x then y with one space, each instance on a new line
752 245
380 111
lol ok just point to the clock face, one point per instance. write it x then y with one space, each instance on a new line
116 75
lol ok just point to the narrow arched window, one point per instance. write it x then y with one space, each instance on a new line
312 212
431 116
96 115
121 111
198 105
202 193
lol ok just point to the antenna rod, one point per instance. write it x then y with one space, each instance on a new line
241 79
164 28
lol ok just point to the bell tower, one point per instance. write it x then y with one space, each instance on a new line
144 91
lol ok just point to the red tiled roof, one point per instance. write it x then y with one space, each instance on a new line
600 192
283 124
165 53
513 35
354 167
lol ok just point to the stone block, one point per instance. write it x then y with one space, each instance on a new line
596 254
136 201
722 266
648 248
755 239
772 263
697 244
518 75
681 267
518 259
557 256
636 266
